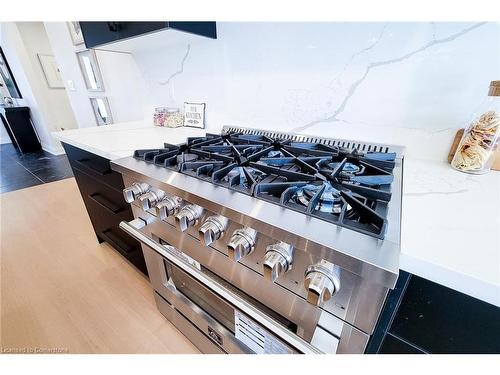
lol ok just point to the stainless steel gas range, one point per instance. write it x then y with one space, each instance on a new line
267 242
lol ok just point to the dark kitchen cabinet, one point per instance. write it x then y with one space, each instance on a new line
420 316
97 34
101 190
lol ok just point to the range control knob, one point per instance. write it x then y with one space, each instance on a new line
168 206
212 229
241 244
188 216
135 190
277 260
151 198
322 282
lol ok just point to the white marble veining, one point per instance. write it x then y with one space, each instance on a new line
450 230
351 89
413 83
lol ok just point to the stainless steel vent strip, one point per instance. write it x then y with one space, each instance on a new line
350 144
235 300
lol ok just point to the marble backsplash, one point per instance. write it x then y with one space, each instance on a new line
413 84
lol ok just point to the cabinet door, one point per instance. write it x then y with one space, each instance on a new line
97 33
207 29
130 29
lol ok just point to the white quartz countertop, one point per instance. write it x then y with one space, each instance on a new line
451 227
450 220
120 140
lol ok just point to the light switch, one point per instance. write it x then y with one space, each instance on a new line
71 85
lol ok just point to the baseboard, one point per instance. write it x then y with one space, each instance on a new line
53 150
49 148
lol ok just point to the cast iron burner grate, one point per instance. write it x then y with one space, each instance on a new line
348 187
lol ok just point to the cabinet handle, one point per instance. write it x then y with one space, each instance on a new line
113 240
102 201
87 164
114 26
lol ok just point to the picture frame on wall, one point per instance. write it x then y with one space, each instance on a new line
8 78
76 32
194 115
89 67
102 111
51 71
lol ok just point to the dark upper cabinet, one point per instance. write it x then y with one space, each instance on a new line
207 29
97 34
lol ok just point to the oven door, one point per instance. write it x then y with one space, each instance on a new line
189 293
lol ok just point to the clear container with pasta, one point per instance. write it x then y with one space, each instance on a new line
476 150
174 118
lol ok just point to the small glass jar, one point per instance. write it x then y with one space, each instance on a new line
173 118
159 116
476 150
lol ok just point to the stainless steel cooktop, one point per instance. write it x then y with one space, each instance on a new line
345 183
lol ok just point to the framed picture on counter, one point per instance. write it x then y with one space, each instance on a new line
102 111
194 115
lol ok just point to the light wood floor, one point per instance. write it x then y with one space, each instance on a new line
61 289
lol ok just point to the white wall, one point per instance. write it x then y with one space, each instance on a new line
4 137
404 83
50 110
123 83
58 108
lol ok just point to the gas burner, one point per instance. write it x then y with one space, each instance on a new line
276 154
238 177
242 179
329 200
351 169
234 173
186 158
256 174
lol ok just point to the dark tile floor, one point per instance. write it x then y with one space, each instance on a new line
19 171
424 317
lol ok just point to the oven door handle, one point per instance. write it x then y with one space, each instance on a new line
168 252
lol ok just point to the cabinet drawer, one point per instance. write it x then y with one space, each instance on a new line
102 194
120 241
128 247
91 188
105 205
94 165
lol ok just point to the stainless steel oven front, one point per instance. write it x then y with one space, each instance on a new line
241 317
